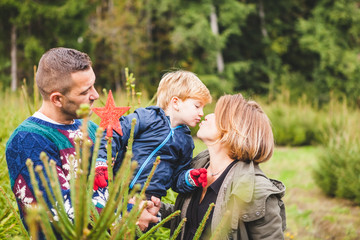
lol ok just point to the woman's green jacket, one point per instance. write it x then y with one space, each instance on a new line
250 201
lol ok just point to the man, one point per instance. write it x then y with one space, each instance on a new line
65 79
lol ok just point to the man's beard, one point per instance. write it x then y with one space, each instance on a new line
70 115
70 110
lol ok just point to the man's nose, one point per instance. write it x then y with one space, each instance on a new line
94 95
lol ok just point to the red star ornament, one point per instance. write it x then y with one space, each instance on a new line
110 115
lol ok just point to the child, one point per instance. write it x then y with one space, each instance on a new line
163 131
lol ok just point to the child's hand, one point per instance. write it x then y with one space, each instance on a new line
198 177
101 174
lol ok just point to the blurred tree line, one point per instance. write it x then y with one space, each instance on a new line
258 46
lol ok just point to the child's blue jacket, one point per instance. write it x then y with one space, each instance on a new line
151 129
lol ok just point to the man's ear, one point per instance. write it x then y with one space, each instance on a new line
57 99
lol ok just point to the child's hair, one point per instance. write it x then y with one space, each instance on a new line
245 130
181 84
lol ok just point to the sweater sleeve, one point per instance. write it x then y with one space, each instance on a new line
271 225
26 145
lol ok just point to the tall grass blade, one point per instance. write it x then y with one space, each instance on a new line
13 210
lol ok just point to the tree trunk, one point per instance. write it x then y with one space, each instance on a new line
215 30
262 19
265 35
13 59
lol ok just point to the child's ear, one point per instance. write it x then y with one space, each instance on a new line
175 103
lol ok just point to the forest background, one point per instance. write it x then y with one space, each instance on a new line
299 59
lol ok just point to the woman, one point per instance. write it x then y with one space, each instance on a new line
238 137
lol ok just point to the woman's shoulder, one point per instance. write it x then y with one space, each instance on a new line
253 189
251 173
267 185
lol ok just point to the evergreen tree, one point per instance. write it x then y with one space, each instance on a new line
39 26
331 36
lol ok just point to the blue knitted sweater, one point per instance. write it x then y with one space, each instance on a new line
29 139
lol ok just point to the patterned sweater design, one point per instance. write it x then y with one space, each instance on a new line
31 138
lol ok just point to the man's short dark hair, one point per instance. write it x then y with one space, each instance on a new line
55 68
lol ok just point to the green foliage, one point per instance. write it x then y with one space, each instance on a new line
41 25
154 36
294 124
216 85
122 36
10 223
337 173
305 46
337 66
317 56
12 116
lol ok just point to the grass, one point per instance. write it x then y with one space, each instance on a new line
310 214
13 112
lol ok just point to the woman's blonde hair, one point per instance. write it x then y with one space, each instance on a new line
245 130
181 84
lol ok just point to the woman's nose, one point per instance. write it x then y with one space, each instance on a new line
207 116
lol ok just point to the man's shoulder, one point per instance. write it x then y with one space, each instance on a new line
91 125
35 128
26 137
25 126
31 124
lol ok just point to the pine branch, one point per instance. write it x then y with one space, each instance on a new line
153 229
203 221
178 229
